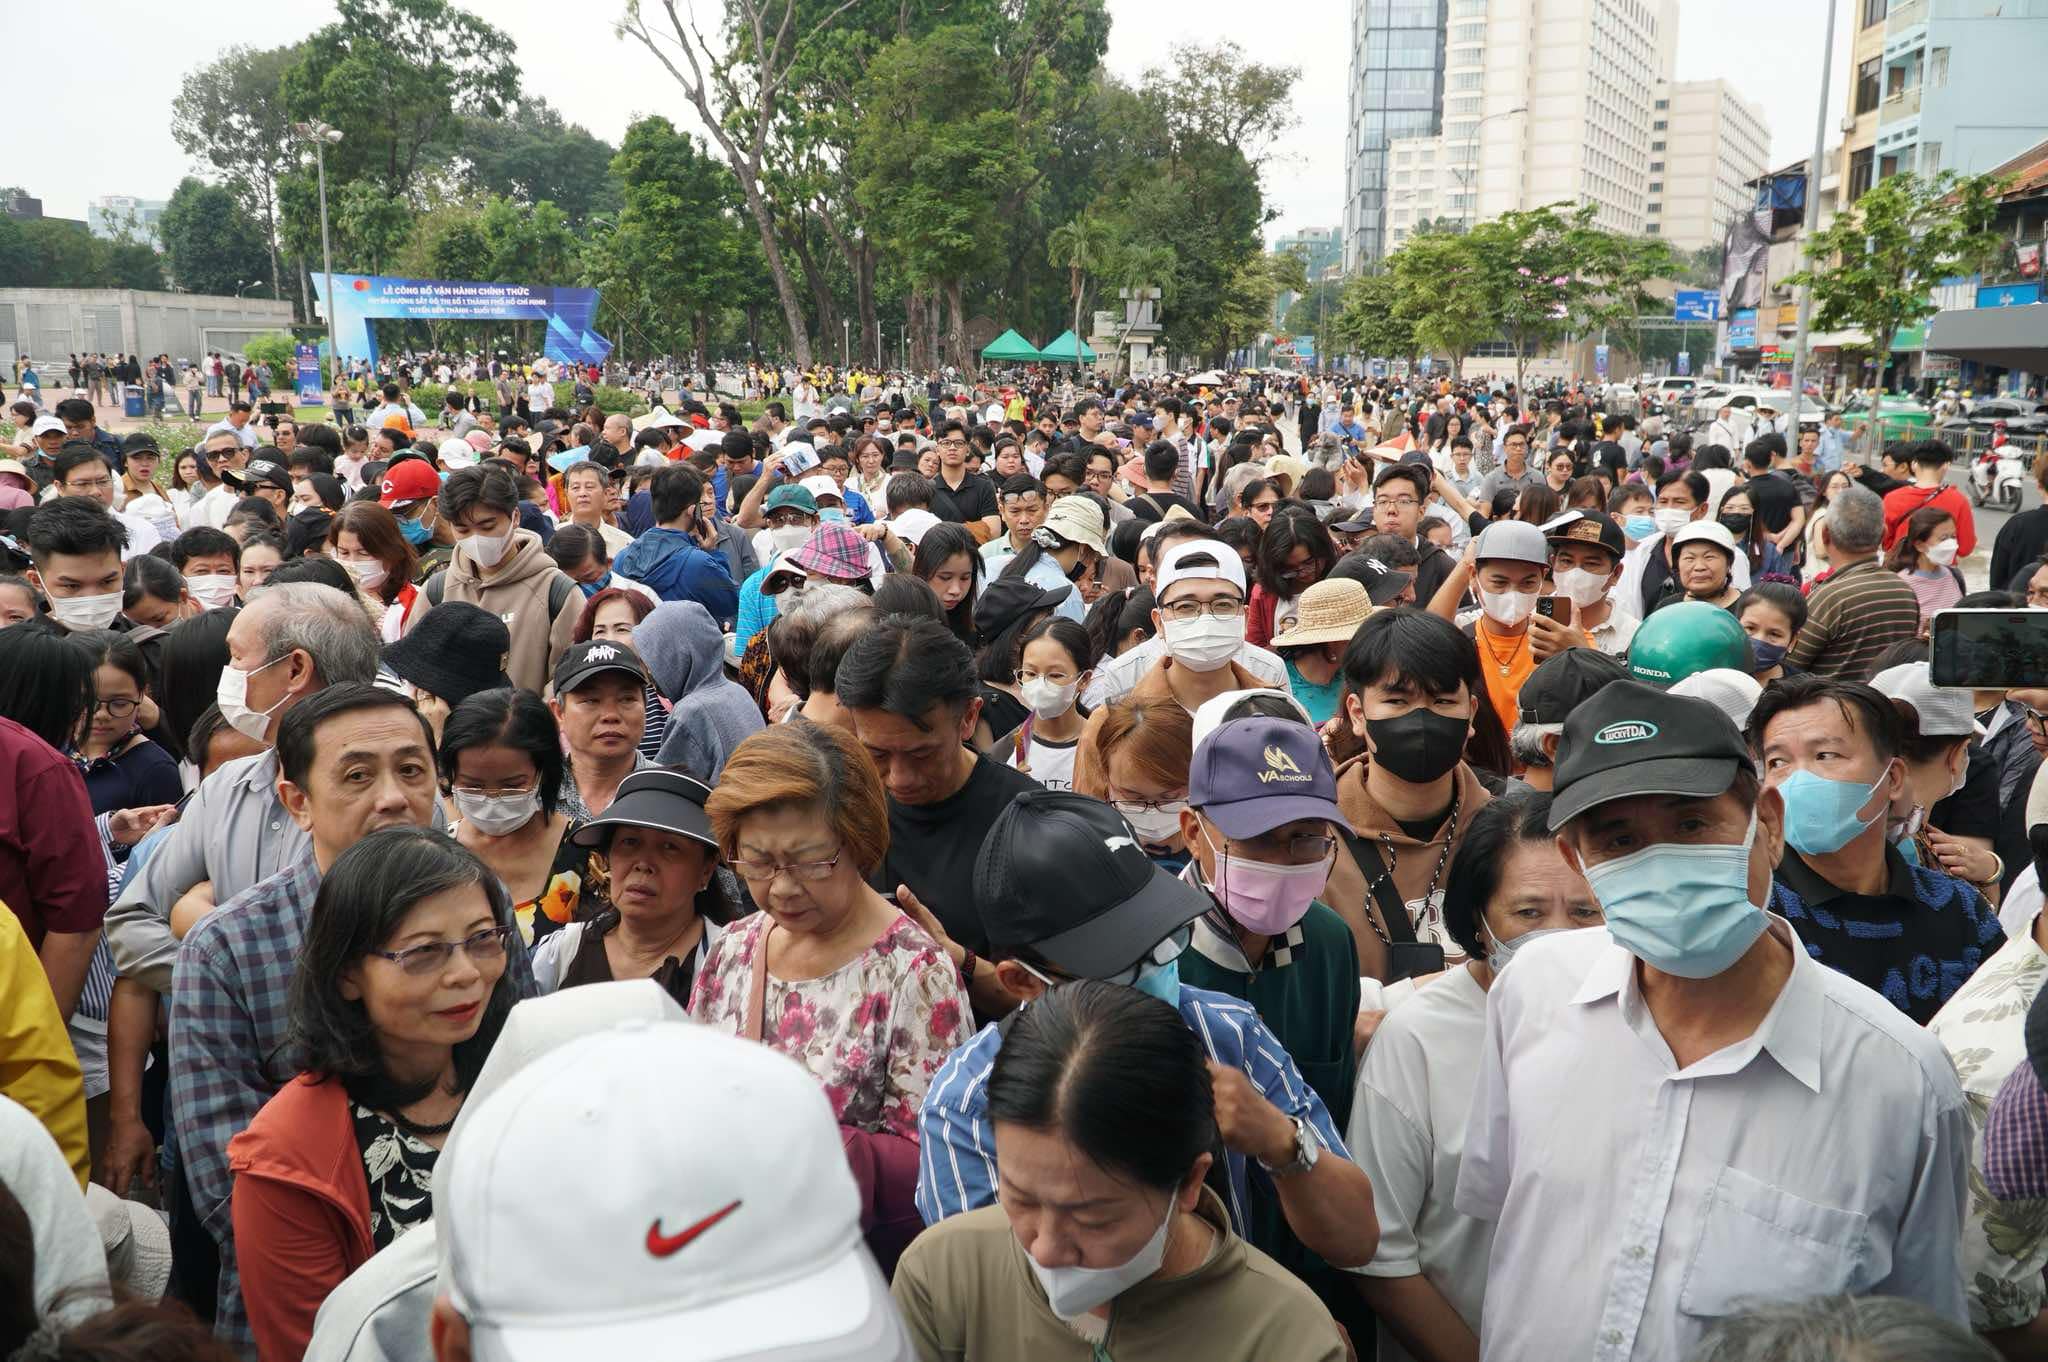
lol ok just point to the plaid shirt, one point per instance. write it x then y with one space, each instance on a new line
230 1024
2016 1139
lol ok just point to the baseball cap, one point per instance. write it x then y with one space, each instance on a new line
1587 527
1252 775
258 471
1008 599
656 798
46 425
1064 874
457 452
1630 739
791 494
407 482
1713 531
1382 581
140 442
913 524
1223 566
1732 692
1944 712
821 487
581 661
1564 681
722 1222
1078 520
1515 541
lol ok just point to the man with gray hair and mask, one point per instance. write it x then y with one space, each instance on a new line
1560 684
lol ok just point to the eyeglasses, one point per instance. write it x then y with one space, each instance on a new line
1303 850
1222 608
485 947
1306 572
1397 503
119 709
89 484
808 872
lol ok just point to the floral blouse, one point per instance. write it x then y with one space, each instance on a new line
399 1169
874 1031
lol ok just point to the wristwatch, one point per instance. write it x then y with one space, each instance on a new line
1308 1147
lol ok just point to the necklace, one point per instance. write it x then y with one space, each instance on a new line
1486 637
422 1128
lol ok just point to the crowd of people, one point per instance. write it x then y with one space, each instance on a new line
1278 869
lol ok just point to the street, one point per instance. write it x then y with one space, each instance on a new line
1976 568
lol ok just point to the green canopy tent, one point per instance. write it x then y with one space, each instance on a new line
1068 348
1010 348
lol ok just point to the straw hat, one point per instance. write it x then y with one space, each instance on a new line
1328 612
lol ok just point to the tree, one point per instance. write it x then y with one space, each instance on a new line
211 243
1875 266
1370 322
1443 290
1087 245
532 155
231 114
668 181
372 224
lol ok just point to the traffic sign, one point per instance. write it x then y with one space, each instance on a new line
1696 305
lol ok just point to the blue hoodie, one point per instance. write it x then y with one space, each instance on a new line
670 563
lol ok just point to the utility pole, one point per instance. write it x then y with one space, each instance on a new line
322 136
1820 146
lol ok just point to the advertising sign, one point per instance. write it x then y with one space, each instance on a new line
568 313
1683 368
2008 295
306 364
1600 360
1742 329
1696 305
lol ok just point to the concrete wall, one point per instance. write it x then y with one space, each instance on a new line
49 324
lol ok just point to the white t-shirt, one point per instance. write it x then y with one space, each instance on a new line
1051 764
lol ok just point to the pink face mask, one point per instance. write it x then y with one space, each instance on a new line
1263 897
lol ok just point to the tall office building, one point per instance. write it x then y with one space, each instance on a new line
1397 90
107 216
1707 145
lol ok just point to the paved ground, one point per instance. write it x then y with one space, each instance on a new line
1989 522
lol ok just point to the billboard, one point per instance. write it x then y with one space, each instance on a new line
1600 360
568 313
1742 329
307 368
1696 305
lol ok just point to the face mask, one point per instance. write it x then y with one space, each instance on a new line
496 815
1768 655
1263 897
415 531
1683 909
1639 527
592 588
1507 607
1048 699
1420 746
788 538
1942 554
1737 524
368 572
1157 826
1901 829
233 698
1503 951
1671 519
86 612
1204 643
1162 982
1073 1291
832 515
489 550
1821 815
1583 587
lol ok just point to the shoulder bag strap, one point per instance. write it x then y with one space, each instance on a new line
757 986
1379 882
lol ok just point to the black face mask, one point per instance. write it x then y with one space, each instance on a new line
1419 746
1737 524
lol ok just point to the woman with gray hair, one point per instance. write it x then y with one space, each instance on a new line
1841 1329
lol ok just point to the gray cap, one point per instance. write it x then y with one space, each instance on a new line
1514 540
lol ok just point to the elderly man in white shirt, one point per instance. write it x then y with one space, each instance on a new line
1684 1112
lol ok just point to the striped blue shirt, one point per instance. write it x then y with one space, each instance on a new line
957 1149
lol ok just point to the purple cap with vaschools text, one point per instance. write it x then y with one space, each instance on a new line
1255 774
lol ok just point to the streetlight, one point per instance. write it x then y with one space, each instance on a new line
241 284
846 341
1464 172
1812 225
322 136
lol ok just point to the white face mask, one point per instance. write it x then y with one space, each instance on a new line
212 589
1501 951
233 698
1507 607
1944 553
497 815
788 538
490 551
1671 519
1048 699
1073 1291
1156 827
1204 643
86 612
368 572
1581 586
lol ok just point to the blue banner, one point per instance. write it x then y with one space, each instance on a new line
306 361
1742 329
1696 305
2008 295
568 313
1600 360
1684 366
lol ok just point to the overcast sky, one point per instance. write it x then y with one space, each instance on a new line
118 141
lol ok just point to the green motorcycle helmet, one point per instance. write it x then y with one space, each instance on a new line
1687 637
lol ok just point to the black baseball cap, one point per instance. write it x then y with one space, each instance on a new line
259 471
1064 874
653 798
1631 739
1008 599
1564 681
1383 581
581 661
140 442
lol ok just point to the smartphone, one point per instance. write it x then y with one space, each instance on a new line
1413 959
1558 608
1990 649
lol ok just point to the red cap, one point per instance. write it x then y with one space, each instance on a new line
405 483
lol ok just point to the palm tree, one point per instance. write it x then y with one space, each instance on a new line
1087 245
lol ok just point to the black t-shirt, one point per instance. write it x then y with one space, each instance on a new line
1150 506
1973 810
932 847
1775 499
974 499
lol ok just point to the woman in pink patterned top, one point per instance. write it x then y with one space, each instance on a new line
850 987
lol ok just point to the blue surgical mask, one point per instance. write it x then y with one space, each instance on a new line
1683 909
1823 816
1162 982
832 515
416 533
1639 527
592 588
